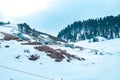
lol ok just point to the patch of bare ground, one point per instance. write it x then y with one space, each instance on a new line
9 36
31 43
20 40
7 46
58 54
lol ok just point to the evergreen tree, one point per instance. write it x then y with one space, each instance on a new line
107 27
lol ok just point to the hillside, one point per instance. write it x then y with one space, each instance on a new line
24 57
107 27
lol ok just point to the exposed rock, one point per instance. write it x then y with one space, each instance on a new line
58 54
34 57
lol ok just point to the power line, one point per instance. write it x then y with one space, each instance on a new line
26 72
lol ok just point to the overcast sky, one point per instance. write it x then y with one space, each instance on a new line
51 16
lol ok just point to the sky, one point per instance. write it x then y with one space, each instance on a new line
50 16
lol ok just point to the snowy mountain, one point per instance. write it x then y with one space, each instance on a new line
24 56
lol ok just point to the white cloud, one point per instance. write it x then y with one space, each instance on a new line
13 8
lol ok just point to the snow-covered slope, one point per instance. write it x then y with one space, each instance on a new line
110 46
16 63
42 38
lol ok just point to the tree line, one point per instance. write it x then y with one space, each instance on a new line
4 23
107 27
26 29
